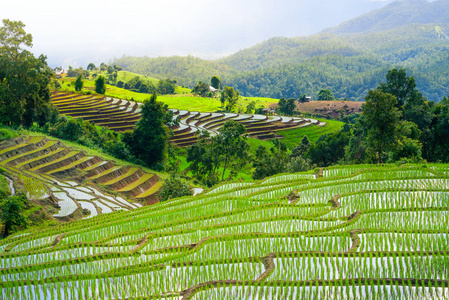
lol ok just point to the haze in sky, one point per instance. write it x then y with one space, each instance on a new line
78 32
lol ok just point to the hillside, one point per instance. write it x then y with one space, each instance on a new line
345 232
347 64
70 183
121 115
186 70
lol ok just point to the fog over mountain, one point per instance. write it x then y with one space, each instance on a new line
76 33
349 59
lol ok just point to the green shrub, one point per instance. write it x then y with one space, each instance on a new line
7 134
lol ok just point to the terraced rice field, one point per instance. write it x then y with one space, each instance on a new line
121 115
361 232
72 180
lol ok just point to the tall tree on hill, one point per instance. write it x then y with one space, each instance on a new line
91 67
11 213
414 107
380 122
79 83
287 107
100 85
325 95
202 89
166 86
24 79
148 140
229 96
215 82
398 84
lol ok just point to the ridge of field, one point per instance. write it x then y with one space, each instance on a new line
69 182
346 231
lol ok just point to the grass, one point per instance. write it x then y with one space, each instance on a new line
126 76
255 143
7 134
190 102
293 137
4 186
260 101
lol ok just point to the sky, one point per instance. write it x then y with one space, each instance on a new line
79 32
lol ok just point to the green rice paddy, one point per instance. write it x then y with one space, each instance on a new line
354 232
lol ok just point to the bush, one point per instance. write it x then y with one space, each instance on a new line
7 134
174 187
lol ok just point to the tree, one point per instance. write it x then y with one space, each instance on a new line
215 82
329 149
166 86
251 107
117 68
12 38
302 98
232 146
201 89
230 96
270 163
91 67
380 122
100 85
24 79
11 213
202 159
302 148
298 164
287 107
148 140
174 187
79 83
227 150
281 104
325 95
146 87
103 67
398 85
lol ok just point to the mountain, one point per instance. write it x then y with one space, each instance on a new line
396 14
347 64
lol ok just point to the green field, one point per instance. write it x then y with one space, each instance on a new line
182 99
293 137
191 103
377 230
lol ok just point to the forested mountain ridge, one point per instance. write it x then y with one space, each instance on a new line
396 14
348 65
187 70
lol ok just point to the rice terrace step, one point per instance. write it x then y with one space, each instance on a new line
51 171
121 115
